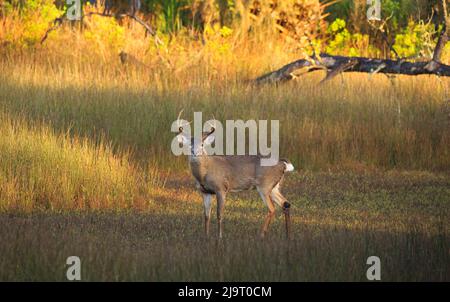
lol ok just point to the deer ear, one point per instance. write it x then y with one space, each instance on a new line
209 139
183 138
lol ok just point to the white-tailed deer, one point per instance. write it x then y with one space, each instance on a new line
221 174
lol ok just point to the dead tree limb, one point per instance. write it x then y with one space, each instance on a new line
338 69
335 64
380 29
55 24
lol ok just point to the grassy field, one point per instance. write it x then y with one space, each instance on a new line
86 169
339 220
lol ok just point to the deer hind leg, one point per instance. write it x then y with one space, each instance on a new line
220 205
207 207
284 204
270 214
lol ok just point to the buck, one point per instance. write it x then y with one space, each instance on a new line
221 174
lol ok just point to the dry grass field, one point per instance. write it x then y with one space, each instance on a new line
86 170
339 220
86 167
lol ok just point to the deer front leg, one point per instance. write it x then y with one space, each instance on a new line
207 208
220 206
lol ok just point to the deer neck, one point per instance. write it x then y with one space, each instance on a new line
199 166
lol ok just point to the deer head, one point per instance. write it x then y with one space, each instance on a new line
196 145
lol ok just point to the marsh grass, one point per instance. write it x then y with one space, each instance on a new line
86 167
338 222
100 136
360 120
44 170
339 219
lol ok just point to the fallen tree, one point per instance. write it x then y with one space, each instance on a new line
335 65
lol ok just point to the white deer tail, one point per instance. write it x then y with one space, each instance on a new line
289 167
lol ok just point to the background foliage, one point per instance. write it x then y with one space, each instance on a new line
85 161
337 27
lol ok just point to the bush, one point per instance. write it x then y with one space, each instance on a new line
416 40
342 42
25 26
104 32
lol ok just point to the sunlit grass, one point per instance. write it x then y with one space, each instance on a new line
43 170
85 136
359 121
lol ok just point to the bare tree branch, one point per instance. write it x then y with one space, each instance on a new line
331 73
385 37
56 23
443 37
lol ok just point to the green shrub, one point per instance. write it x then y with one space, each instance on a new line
34 17
343 42
416 40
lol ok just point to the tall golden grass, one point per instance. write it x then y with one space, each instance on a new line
81 128
44 170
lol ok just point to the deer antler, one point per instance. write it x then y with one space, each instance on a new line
179 124
213 126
